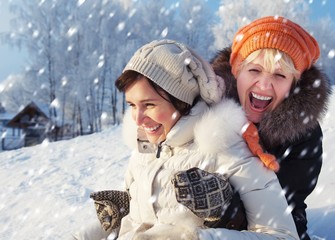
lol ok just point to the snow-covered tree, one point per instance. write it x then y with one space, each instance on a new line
235 14
193 26
36 28
77 48
324 31
16 92
71 45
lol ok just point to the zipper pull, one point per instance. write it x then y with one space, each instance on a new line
159 149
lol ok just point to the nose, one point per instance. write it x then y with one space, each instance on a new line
264 82
138 116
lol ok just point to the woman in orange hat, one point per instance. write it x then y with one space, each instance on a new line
270 71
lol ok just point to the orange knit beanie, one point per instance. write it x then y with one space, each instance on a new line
278 33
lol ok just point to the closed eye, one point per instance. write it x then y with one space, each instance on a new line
280 75
254 70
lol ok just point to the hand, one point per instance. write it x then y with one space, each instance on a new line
207 195
111 207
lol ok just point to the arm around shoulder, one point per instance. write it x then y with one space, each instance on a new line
267 211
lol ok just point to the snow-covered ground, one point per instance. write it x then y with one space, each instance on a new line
45 189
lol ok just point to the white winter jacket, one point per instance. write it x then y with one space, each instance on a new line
210 139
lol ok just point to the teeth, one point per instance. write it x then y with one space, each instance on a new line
152 128
264 98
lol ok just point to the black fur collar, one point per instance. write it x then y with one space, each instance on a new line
300 112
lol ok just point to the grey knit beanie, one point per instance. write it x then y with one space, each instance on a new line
178 70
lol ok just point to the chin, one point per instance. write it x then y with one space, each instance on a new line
254 118
152 140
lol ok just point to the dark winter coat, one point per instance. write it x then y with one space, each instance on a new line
292 133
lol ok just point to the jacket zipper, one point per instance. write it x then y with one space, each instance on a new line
159 149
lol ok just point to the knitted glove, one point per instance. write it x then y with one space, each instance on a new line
206 195
251 137
233 218
111 207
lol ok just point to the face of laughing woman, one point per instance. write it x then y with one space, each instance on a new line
261 91
154 114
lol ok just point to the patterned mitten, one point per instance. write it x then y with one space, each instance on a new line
207 195
251 137
111 207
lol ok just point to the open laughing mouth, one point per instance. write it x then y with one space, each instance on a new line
259 102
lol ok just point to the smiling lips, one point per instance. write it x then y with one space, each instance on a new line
151 129
259 102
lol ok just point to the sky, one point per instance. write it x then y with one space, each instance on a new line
45 189
12 59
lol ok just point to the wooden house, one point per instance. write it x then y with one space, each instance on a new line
5 117
29 125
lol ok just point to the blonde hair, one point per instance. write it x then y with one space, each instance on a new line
271 58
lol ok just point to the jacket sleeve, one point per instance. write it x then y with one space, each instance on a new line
266 207
303 165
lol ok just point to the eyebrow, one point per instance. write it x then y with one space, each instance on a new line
146 100
257 64
276 70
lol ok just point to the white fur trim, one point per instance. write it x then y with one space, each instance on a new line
220 127
129 130
215 131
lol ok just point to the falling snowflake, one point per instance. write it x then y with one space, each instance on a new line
72 31
104 116
331 54
165 32
55 103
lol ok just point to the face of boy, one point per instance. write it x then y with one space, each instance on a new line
154 114
261 91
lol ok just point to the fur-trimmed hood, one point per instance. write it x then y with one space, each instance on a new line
213 129
300 112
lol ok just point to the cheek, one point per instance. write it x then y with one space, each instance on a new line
168 118
163 117
282 92
242 85
243 80
133 114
